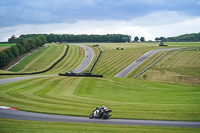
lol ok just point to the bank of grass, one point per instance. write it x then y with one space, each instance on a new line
130 99
23 126
180 66
43 59
40 60
184 64
112 61
73 59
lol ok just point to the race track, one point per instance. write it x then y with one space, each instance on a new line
21 115
136 63
86 62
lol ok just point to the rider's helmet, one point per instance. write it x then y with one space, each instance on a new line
104 107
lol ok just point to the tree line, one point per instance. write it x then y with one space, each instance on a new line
79 38
136 39
23 45
193 37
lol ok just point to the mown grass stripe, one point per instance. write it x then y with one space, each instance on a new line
41 58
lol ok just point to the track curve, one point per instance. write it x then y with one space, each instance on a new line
88 59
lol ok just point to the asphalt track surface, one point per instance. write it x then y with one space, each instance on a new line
21 115
4 81
136 63
86 62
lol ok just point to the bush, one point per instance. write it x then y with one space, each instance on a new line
9 53
15 51
32 42
38 41
26 45
21 48
4 59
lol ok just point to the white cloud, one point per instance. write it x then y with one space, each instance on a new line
198 2
154 25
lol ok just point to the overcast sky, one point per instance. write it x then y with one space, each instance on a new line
148 18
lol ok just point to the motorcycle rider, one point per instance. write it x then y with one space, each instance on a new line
96 111
99 111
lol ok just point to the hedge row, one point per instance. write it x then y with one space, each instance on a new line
22 46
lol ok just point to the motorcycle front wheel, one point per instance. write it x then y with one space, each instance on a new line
91 116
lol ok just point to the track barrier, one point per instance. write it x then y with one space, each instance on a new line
90 71
81 75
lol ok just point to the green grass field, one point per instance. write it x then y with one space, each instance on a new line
112 61
158 94
23 126
131 99
40 60
6 44
72 60
180 66
43 59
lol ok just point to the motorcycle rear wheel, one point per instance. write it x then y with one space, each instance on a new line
105 116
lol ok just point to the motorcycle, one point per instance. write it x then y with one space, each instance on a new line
102 112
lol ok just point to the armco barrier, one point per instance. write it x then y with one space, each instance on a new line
81 75
161 59
39 71
90 71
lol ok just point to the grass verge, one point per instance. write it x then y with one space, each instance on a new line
23 126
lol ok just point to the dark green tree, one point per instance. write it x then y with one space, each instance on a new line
13 39
26 45
3 59
20 40
21 48
156 38
32 42
43 39
9 53
142 39
124 39
38 41
14 50
136 39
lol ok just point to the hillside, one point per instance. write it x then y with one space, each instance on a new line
181 66
137 99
